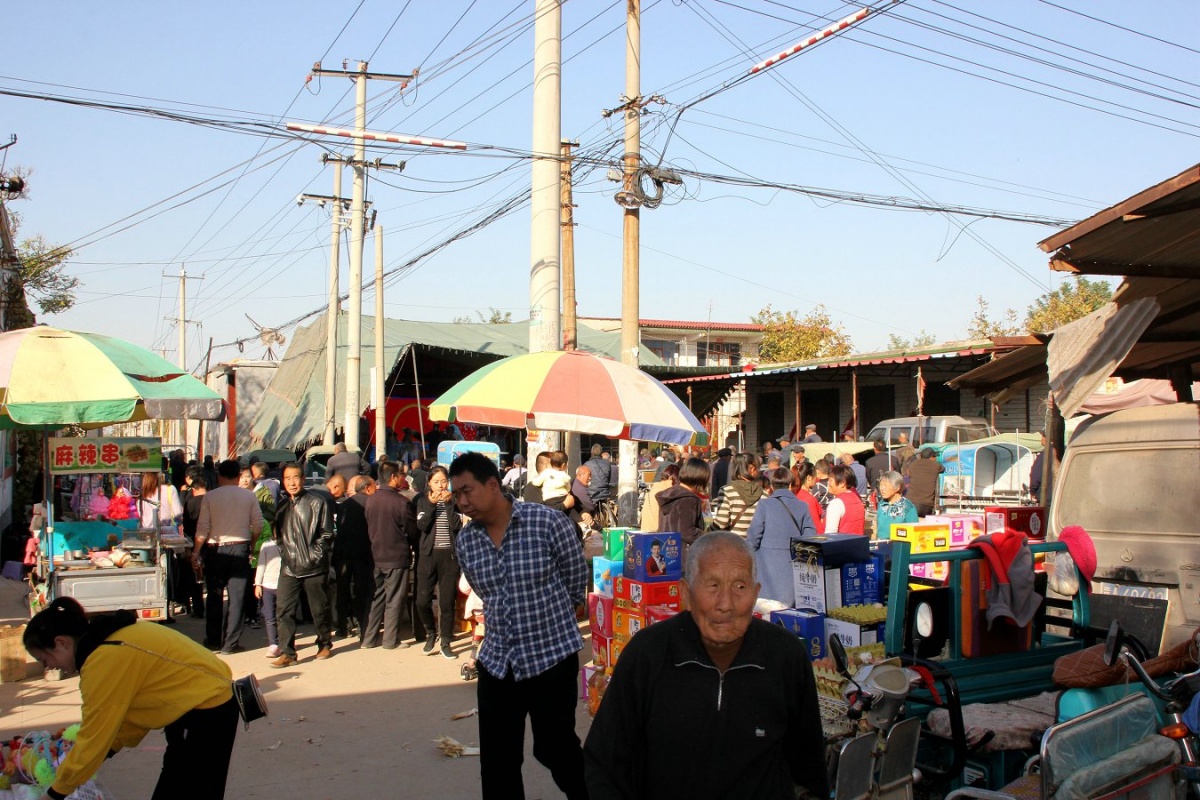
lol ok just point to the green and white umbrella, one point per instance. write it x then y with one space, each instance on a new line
50 378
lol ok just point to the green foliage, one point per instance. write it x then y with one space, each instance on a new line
984 327
496 317
787 337
922 339
42 271
1070 301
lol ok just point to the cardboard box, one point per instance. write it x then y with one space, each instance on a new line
873 581
835 548
1029 520
629 593
626 623
934 570
603 572
923 537
614 544
659 613
653 556
12 654
601 650
807 625
600 614
817 587
976 640
614 652
852 634
585 678
963 528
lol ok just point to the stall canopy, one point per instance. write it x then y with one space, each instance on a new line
1151 329
423 359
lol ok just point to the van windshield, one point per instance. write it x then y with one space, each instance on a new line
1122 492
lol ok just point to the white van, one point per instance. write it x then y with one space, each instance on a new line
931 430
1129 478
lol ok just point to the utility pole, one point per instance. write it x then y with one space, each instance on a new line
570 332
380 399
182 320
544 293
336 222
357 225
630 308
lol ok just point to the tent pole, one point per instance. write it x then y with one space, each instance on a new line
412 353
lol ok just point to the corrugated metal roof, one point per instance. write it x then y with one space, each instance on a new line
1155 233
675 324
293 409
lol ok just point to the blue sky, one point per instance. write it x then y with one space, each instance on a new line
884 110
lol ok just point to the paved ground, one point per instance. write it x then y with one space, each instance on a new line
359 724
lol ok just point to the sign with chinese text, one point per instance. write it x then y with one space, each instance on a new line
108 454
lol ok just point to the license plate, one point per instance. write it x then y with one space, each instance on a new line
1130 590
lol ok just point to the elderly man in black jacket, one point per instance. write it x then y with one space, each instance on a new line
393 533
304 532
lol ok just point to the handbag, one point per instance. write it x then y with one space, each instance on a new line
251 703
246 691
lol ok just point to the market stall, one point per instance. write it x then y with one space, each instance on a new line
104 553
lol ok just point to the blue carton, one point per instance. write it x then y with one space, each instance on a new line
853 578
872 589
835 548
653 557
808 625
603 572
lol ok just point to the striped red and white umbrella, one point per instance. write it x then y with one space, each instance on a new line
570 391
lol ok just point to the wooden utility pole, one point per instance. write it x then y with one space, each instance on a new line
569 322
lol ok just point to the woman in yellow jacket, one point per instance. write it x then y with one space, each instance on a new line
135 677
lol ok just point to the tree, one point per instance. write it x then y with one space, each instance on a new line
43 265
497 317
1069 302
42 272
983 327
787 337
922 339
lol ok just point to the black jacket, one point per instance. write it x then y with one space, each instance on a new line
304 532
754 732
681 510
426 519
392 529
351 545
600 486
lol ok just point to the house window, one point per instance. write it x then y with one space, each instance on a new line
718 354
666 350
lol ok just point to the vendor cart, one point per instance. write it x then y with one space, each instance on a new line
99 554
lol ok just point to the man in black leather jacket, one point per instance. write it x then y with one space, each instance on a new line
304 532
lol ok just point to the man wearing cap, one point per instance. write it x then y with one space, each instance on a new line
810 434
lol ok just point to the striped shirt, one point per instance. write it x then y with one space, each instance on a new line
441 529
530 586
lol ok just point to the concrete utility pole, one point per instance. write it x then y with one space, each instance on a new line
627 471
357 224
544 297
380 399
336 222
179 426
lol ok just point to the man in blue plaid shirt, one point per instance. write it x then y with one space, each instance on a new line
526 563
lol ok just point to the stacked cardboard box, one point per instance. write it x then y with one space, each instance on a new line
636 584
925 537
